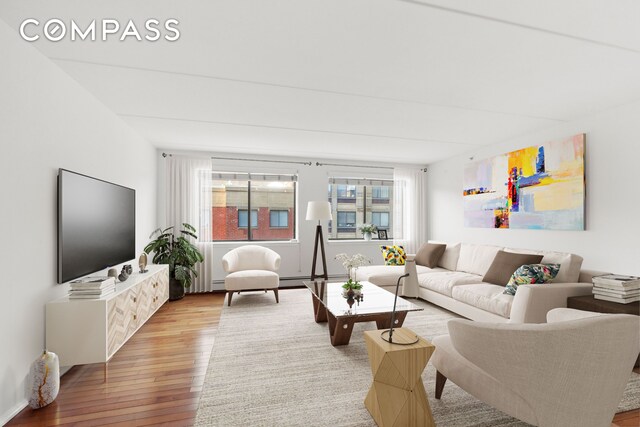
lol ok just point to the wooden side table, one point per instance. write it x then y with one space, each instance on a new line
397 396
589 303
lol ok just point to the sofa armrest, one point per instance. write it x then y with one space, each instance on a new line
586 276
566 314
410 284
532 302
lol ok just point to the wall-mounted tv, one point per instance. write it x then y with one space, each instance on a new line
96 225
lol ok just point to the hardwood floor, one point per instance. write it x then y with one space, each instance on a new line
155 378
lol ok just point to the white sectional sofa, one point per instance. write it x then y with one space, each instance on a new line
456 284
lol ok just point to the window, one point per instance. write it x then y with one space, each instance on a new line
346 193
278 219
346 221
380 219
242 218
355 201
380 194
269 197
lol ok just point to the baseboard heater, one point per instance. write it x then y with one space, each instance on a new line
292 282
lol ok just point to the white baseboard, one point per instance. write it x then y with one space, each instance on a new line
6 417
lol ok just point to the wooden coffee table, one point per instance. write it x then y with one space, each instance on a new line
329 305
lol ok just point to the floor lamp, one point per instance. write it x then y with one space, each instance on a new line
319 211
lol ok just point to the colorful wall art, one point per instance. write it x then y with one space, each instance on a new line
539 187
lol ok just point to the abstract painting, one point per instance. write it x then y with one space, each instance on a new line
538 187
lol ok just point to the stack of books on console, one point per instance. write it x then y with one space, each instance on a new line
92 287
617 288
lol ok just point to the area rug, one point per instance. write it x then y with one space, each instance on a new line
272 365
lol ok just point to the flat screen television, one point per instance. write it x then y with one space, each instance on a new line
96 225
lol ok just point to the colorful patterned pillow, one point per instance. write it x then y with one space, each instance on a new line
393 255
530 274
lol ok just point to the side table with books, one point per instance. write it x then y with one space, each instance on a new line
605 303
617 288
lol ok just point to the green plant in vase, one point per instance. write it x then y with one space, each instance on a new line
179 253
368 230
352 288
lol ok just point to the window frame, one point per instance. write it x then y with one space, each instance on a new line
280 212
380 225
364 205
292 210
247 226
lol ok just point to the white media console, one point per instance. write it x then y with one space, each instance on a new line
83 331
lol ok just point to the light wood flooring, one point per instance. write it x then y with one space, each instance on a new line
155 378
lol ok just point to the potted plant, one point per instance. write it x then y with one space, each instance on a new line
367 230
179 253
351 263
351 289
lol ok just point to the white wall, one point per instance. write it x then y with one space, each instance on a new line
312 185
612 163
47 121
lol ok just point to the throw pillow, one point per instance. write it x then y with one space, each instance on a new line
393 255
531 274
429 254
505 264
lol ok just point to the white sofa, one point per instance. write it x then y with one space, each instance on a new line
456 284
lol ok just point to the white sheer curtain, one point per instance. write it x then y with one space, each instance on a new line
189 200
409 208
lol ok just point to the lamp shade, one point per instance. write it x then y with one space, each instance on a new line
318 211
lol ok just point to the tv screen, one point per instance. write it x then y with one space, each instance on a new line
96 225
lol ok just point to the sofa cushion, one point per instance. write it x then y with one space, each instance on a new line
569 266
476 259
420 269
449 259
485 296
531 274
380 275
444 281
505 264
251 279
429 254
569 263
393 255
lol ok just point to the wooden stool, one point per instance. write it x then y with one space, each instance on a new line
397 396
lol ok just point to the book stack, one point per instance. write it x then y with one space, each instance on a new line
617 288
92 287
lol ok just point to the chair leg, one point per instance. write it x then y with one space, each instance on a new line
275 291
440 380
229 294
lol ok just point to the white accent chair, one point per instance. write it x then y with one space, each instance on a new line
251 268
571 371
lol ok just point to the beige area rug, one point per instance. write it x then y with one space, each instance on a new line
272 365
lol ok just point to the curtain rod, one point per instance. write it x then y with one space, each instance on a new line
361 166
296 163
251 160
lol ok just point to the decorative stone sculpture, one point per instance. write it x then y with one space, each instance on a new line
45 377
142 263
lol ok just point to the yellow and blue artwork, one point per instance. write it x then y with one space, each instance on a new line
538 187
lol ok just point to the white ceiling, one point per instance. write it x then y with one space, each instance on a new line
391 80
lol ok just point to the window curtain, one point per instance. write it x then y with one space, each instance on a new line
409 208
188 199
